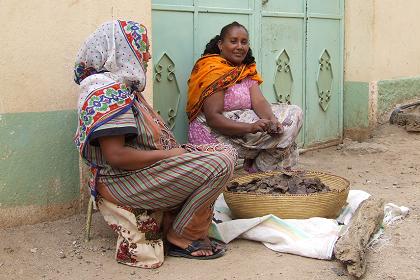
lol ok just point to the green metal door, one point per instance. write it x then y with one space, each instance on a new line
288 38
324 71
283 52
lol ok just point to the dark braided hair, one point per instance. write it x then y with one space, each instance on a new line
212 48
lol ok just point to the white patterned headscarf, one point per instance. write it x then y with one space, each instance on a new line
109 66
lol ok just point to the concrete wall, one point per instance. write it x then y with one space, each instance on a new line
381 56
39 165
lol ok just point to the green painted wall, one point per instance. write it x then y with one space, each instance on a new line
392 92
38 160
356 105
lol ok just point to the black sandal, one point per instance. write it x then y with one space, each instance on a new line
217 244
195 246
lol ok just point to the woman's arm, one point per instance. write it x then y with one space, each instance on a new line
262 108
260 105
213 110
120 156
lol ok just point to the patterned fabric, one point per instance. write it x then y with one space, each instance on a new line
210 74
111 104
236 97
186 182
289 115
124 124
117 47
136 35
100 106
148 130
139 232
268 152
109 66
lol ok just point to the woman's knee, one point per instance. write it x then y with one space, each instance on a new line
297 112
231 152
229 163
225 165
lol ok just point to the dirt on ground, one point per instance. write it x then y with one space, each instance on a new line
387 166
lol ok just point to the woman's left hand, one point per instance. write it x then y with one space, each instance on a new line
275 127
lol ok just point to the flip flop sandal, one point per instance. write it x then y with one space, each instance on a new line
196 245
217 244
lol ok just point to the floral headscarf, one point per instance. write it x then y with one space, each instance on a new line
109 66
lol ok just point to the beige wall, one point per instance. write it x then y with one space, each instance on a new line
381 39
39 42
358 40
397 39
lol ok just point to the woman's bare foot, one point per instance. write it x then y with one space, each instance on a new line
183 243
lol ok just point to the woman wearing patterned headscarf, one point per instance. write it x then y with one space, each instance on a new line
137 167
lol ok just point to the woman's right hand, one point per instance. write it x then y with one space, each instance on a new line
176 152
260 126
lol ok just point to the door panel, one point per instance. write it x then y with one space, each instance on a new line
237 4
284 6
332 7
323 74
282 61
278 35
173 2
180 51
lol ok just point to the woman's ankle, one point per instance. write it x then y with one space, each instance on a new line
177 240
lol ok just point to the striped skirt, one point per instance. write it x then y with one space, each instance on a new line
190 182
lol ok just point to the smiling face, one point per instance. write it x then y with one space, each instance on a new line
235 45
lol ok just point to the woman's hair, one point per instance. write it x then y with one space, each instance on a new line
212 48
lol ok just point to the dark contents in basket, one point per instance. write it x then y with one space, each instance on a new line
281 184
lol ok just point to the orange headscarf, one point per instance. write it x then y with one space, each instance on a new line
213 73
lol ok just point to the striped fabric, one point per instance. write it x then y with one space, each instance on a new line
187 182
125 120
124 124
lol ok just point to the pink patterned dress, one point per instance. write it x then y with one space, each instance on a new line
267 152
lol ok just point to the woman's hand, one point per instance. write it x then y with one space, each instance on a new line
176 152
260 126
213 108
275 127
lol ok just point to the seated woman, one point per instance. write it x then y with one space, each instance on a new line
225 105
135 161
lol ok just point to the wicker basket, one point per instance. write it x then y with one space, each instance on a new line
290 206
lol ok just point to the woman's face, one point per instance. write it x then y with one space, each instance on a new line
235 45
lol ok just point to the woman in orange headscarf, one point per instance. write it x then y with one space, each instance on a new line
225 104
